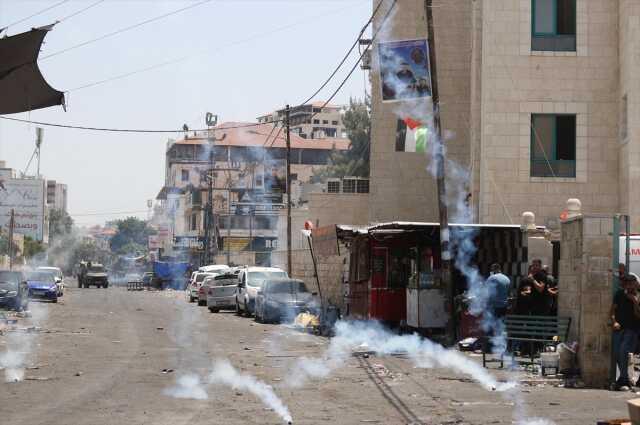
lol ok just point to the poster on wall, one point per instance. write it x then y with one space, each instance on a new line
412 136
404 70
26 198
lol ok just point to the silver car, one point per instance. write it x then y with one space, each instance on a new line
249 281
221 291
194 286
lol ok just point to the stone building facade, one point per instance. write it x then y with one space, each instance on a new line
541 101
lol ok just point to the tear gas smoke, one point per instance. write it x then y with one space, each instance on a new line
19 346
371 336
225 374
188 386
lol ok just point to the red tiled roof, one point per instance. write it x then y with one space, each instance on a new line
256 135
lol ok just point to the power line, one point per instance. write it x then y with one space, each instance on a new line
80 11
119 130
231 44
125 29
35 14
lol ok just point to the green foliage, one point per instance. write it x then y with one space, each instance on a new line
355 161
60 224
131 234
32 247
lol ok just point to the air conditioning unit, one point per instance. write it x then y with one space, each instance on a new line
333 186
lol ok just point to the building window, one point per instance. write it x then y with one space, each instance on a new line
553 25
553 145
316 121
185 175
194 222
325 121
334 122
317 110
624 119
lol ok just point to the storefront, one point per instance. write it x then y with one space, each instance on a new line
394 273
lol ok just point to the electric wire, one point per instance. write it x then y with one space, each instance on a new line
80 11
125 29
246 125
186 57
35 14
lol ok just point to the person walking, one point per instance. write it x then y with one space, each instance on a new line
625 319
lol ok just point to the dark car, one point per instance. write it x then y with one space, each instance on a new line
283 299
42 285
95 275
14 292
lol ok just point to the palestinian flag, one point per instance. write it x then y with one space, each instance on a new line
411 136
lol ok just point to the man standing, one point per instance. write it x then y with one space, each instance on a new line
625 318
540 298
499 286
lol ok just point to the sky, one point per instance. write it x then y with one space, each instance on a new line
235 58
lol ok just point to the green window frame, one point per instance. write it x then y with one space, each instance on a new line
553 40
559 159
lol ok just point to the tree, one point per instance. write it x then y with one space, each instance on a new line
60 223
32 247
129 231
355 160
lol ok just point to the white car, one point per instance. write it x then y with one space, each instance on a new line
221 291
58 275
249 281
195 283
215 268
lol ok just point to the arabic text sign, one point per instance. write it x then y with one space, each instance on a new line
26 198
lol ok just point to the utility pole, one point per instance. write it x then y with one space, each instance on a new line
288 138
12 224
445 253
209 220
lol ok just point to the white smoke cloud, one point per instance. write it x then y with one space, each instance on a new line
188 386
225 374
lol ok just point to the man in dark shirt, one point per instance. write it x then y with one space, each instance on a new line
625 317
540 298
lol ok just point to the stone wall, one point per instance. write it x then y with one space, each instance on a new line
330 271
585 291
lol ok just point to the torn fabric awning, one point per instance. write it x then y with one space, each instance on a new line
22 85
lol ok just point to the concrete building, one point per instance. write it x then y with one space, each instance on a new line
56 195
312 121
249 183
541 101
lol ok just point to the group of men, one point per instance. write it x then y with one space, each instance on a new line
625 320
538 292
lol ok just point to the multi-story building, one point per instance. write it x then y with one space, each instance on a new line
312 121
540 100
56 195
246 169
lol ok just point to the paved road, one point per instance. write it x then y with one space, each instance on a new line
100 356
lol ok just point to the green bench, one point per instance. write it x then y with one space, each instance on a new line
534 330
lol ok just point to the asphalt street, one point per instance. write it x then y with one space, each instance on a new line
110 356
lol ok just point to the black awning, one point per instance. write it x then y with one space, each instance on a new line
22 86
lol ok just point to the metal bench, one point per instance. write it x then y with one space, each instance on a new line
535 330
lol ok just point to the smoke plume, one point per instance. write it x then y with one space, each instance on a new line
225 374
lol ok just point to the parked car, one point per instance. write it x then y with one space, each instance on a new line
95 275
213 268
283 299
249 281
14 291
42 285
204 287
194 285
59 276
221 291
